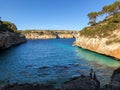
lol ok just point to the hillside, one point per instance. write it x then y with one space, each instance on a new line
9 35
48 34
102 37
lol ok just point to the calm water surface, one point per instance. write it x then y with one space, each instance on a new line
52 61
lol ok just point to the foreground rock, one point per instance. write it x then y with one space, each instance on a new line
114 83
77 83
81 83
29 87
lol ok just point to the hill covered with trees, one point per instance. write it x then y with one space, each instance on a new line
103 36
105 27
48 34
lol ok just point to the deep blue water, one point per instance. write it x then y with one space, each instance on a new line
52 61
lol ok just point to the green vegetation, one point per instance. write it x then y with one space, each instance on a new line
117 40
48 32
92 16
110 10
8 26
105 27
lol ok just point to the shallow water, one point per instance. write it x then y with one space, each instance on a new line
52 61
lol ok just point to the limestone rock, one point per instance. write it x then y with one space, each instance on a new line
52 34
109 45
81 83
8 39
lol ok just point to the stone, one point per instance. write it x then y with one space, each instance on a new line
99 44
115 81
8 39
81 83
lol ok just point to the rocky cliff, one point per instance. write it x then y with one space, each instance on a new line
109 45
114 84
9 35
48 34
103 38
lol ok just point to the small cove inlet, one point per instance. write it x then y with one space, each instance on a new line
50 61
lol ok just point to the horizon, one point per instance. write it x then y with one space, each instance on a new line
50 15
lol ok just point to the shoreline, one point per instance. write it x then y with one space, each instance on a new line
64 86
77 83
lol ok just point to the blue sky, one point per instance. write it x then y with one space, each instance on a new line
50 14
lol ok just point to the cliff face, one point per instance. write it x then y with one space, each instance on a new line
9 36
7 39
44 34
109 45
103 37
37 36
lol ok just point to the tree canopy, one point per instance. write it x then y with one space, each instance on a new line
92 16
108 10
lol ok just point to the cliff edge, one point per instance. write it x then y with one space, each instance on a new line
9 35
48 34
102 37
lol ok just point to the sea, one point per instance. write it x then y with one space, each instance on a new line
52 61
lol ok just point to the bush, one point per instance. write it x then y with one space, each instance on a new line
103 28
8 26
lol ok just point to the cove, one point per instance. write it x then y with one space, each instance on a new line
52 61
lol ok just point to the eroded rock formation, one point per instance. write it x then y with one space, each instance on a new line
9 35
109 45
45 34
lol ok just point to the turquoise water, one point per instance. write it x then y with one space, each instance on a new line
52 61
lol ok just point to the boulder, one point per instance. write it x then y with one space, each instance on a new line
81 83
115 81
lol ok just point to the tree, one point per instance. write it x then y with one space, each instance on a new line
92 16
117 6
111 9
105 9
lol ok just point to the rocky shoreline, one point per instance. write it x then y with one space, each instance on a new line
8 39
77 83
104 45
9 35
48 34
114 84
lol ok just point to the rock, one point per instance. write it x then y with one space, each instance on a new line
29 87
44 67
81 83
77 83
116 72
115 81
8 39
9 35
109 45
48 34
